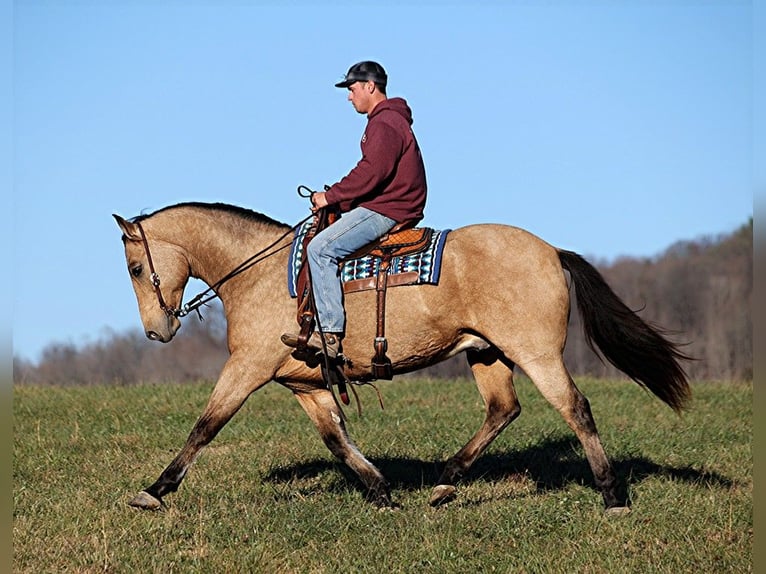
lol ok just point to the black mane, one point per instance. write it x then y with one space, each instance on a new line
242 212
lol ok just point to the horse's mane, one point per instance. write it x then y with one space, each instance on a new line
235 210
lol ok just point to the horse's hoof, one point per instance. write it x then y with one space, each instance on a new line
618 511
146 501
391 507
382 501
442 494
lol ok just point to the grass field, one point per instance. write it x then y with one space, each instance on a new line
266 496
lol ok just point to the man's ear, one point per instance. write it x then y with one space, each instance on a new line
129 230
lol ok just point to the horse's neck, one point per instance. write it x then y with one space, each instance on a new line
216 243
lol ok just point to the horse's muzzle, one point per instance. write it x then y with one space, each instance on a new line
166 333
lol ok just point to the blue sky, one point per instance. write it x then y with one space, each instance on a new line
608 129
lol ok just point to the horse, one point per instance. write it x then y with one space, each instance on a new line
503 298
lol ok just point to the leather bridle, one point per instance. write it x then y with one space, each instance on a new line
170 311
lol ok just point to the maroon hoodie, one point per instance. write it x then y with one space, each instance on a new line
390 179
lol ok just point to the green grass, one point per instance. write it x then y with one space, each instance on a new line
266 496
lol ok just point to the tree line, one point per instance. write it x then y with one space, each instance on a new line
698 291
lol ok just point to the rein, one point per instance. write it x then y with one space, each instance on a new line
212 292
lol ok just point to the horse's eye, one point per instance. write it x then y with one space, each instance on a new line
136 271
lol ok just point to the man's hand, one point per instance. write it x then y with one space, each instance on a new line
318 201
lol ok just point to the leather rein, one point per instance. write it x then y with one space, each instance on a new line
212 292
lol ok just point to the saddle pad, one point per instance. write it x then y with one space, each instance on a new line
417 268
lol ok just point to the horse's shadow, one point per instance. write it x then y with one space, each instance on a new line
551 464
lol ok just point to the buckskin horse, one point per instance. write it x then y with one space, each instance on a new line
502 298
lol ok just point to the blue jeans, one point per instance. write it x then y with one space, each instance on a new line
351 232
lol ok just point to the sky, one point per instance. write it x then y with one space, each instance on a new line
610 129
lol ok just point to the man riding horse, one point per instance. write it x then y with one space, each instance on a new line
386 188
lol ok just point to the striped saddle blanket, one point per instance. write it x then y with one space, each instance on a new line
360 273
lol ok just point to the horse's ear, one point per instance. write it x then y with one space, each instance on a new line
129 230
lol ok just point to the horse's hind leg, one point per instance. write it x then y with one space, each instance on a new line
323 411
494 379
554 382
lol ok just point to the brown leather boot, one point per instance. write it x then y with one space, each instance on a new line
331 341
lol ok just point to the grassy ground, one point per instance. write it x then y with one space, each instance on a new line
266 496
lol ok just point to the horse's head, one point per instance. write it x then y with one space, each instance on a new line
149 259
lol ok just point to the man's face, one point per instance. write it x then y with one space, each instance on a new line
360 96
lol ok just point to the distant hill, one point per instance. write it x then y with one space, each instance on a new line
700 291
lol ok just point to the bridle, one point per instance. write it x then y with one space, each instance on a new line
169 311
211 292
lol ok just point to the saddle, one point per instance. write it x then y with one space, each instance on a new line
403 239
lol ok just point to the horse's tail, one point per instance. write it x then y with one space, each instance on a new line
635 347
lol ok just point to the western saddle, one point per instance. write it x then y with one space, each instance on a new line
402 239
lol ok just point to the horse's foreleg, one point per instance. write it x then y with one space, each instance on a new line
230 392
494 378
557 386
323 411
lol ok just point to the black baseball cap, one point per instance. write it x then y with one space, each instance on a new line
363 72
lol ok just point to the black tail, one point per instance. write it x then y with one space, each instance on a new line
633 346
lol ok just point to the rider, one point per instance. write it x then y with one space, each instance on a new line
386 187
